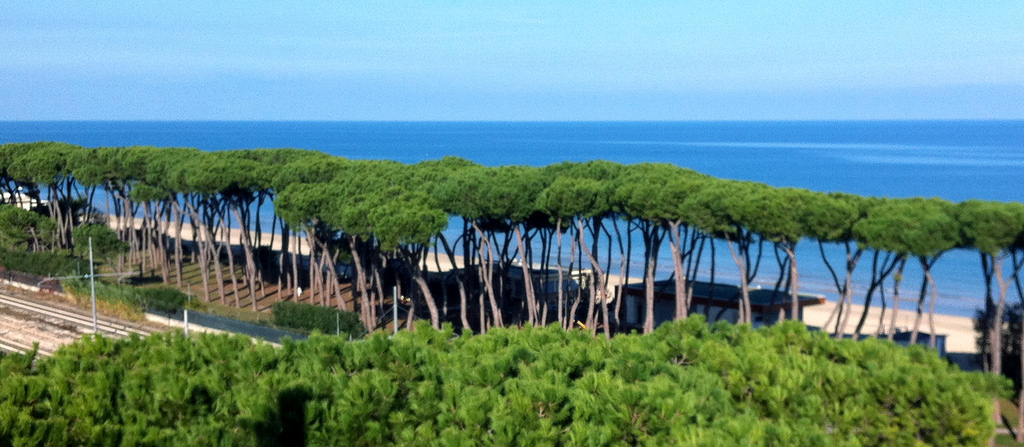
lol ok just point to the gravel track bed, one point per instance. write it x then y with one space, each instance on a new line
25 328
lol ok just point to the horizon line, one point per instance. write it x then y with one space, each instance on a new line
513 121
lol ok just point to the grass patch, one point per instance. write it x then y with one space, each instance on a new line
1007 441
244 314
110 299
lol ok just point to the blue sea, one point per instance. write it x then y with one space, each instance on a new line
955 160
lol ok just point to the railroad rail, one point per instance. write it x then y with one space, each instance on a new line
69 321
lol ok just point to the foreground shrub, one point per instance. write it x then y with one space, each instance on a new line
684 384
308 317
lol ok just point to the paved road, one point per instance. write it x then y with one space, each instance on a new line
229 325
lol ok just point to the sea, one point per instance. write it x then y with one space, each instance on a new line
954 160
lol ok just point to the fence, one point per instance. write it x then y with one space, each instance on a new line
29 281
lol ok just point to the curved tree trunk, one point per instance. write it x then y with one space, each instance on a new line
365 309
561 274
678 259
525 264
250 261
794 286
199 233
225 245
927 282
996 325
896 299
744 304
487 272
879 272
296 254
625 254
179 222
652 243
413 257
599 281
841 311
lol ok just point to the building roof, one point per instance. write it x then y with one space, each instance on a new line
726 295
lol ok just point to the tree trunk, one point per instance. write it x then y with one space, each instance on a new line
179 221
526 265
896 300
652 244
676 243
744 308
561 274
250 261
878 275
845 288
200 232
487 272
226 246
794 287
417 277
365 311
600 289
625 254
926 282
295 255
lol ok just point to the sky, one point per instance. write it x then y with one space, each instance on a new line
517 60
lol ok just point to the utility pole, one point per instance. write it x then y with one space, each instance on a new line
92 291
92 286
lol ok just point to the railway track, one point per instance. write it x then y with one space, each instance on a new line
11 346
50 325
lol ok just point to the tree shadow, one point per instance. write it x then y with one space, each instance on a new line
288 425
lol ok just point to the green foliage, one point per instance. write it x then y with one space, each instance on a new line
310 317
162 299
41 263
684 384
105 243
831 217
105 291
567 197
991 227
42 162
919 227
134 299
654 192
25 230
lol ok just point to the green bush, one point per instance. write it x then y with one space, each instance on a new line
684 384
41 263
162 299
308 317
105 243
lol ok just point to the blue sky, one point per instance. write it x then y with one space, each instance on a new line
523 60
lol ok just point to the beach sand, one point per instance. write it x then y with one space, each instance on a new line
959 331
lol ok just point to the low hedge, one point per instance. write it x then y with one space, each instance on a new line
162 299
42 263
308 317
